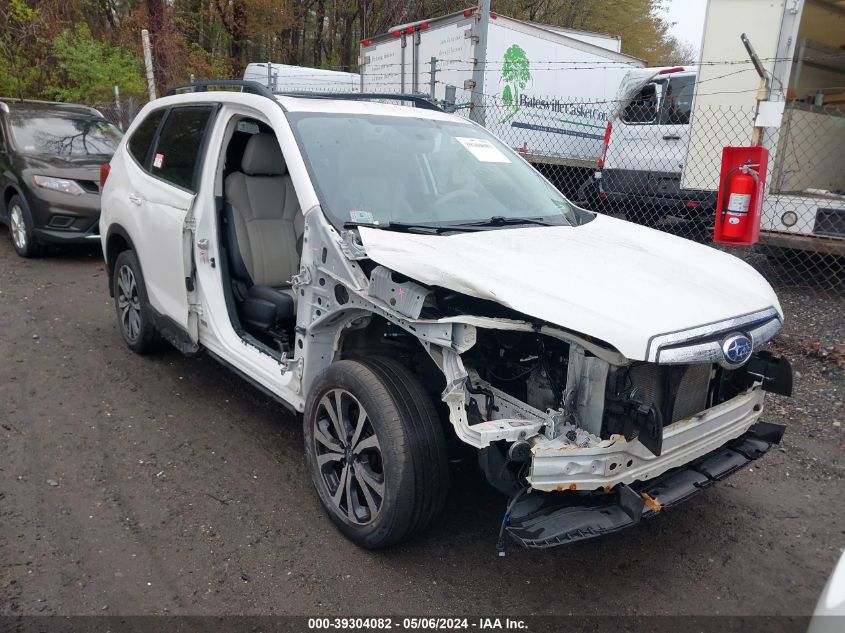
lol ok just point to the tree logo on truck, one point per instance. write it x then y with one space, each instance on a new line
516 73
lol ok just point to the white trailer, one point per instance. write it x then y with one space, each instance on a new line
286 78
800 44
546 89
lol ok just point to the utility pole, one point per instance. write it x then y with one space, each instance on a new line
148 63
476 101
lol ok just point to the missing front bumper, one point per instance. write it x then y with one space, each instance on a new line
542 520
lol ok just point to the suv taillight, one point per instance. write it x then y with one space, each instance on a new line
607 130
105 169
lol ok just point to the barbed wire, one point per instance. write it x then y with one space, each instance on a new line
592 64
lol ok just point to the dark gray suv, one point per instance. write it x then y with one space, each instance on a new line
50 160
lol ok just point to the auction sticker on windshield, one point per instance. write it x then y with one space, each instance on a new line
483 150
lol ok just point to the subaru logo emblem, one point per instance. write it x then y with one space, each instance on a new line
737 348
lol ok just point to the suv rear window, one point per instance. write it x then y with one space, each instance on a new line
179 144
141 139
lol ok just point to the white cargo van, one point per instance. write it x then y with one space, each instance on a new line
645 146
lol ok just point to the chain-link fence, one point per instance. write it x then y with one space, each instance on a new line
653 163
122 111
652 160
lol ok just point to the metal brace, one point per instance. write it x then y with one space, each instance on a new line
350 247
301 279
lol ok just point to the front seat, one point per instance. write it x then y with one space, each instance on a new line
264 227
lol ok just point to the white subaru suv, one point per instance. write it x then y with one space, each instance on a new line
413 287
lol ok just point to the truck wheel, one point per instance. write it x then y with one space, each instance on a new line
133 308
375 450
20 229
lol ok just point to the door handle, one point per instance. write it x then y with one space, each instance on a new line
671 137
134 199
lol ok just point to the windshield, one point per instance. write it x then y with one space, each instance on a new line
63 135
389 169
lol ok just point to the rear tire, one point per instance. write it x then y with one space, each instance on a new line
134 313
381 470
20 229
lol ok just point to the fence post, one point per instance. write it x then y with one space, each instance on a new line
476 103
117 109
431 80
148 63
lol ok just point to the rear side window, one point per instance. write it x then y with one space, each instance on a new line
175 158
643 107
677 104
141 139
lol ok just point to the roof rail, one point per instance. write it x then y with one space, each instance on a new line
252 87
58 104
419 101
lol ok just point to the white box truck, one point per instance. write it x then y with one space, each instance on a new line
546 89
287 78
666 137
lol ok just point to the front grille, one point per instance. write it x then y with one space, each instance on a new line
678 391
830 222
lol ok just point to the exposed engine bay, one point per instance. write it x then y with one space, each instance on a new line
557 411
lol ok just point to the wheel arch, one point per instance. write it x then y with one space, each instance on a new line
378 335
12 190
117 241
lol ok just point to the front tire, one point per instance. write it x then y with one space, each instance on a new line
20 229
375 450
134 313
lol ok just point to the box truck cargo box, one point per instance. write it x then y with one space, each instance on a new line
547 90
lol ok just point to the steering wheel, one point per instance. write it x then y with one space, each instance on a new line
457 194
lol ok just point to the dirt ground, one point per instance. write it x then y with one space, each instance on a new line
165 484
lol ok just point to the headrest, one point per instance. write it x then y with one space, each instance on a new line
263 157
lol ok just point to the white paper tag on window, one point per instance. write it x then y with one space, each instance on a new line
364 217
483 150
158 161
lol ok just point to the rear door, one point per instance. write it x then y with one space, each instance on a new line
167 192
673 124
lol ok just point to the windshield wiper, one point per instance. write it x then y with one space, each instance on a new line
430 229
500 220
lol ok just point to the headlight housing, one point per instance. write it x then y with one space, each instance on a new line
62 185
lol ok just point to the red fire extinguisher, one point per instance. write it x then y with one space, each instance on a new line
740 189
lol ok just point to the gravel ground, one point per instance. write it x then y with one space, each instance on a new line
165 484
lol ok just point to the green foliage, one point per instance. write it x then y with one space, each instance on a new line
19 24
88 69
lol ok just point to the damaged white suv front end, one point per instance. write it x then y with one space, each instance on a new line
558 410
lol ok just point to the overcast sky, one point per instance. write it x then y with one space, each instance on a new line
688 16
